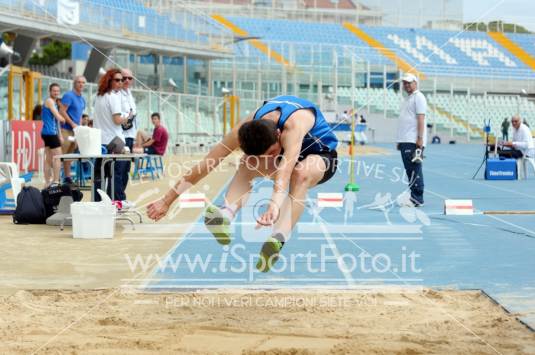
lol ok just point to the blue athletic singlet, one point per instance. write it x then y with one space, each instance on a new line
50 124
319 139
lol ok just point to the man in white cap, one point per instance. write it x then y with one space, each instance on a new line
412 136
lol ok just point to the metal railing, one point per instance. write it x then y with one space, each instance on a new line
191 28
334 65
373 13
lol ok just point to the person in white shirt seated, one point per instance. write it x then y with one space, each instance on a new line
522 144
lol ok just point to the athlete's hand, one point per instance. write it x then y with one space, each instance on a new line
157 210
269 217
419 142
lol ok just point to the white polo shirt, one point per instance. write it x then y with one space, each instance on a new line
128 102
523 141
414 104
106 106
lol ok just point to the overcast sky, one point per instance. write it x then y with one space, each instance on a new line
517 11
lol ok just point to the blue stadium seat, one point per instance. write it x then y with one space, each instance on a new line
435 52
440 52
117 15
526 41
307 34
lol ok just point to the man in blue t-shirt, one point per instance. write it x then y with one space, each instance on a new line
72 109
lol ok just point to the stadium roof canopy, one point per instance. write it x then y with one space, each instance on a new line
30 26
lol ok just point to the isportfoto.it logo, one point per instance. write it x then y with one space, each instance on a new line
238 260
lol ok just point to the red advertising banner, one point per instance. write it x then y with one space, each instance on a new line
26 141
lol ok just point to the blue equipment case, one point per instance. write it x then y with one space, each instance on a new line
500 169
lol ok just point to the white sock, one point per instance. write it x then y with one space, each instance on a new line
228 211
280 235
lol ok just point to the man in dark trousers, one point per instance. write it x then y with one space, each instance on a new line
412 136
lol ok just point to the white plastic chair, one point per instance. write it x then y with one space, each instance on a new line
524 162
522 167
9 173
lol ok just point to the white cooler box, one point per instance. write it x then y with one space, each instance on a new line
89 140
94 220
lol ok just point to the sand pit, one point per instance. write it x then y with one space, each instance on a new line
119 322
59 295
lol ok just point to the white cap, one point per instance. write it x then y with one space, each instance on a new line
409 77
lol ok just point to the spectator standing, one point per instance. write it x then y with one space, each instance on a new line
108 117
85 120
72 107
505 129
36 113
412 136
51 135
361 130
128 104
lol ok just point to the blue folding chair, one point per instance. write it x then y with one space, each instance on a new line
150 164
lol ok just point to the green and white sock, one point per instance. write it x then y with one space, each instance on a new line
269 254
217 220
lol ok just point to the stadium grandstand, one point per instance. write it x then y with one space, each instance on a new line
310 49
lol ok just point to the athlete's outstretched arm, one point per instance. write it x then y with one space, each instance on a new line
159 208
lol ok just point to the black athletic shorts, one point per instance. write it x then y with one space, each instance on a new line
51 141
329 157
331 162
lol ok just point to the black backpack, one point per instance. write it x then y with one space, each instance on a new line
52 195
30 207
